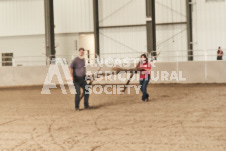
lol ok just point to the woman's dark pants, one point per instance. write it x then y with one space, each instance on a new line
143 88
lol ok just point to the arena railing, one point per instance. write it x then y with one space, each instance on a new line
161 56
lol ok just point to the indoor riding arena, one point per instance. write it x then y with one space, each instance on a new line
113 75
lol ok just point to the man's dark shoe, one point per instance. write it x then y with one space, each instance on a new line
77 109
88 107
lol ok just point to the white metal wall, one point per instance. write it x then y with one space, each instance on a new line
171 38
30 50
209 27
25 49
168 11
172 42
73 16
21 17
122 12
122 41
26 17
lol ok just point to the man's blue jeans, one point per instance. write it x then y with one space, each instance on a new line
80 82
143 88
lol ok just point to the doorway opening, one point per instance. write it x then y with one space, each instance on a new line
86 41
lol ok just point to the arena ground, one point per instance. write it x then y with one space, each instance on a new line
178 118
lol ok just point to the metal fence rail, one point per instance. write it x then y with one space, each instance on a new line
162 56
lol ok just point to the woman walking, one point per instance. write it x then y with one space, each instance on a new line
144 76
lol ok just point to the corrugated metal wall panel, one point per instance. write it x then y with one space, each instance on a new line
171 38
21 17
25 49
172 42
123 42
73 16
209 22
29 49
122 12
168 11
26 17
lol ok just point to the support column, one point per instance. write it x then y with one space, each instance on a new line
189 29
151 27
49 29
96 26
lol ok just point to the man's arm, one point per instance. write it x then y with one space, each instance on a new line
71 68
71 73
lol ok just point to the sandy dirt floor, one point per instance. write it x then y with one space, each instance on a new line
178 118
